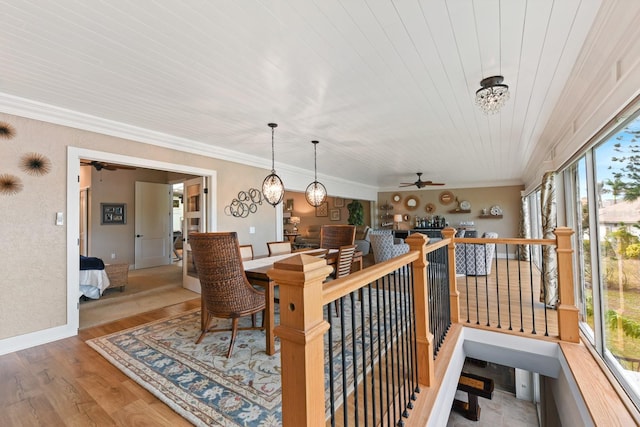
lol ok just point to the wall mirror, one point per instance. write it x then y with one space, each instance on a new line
411 203
396 198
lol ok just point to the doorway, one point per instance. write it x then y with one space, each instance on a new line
74 155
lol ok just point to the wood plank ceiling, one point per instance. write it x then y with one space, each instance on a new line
387 87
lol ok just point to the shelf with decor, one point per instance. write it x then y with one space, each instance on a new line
488 216
460 211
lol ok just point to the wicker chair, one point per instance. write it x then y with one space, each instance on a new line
279 248
226 292
334 236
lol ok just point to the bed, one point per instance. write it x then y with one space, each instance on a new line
93 283
93 277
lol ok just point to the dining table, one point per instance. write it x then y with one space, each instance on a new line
256 272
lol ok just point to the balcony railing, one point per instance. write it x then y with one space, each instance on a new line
365 362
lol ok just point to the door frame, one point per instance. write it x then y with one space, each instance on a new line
74 154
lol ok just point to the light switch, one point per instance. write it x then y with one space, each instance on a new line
59 218
252 230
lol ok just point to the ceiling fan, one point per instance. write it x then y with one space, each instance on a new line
420 183
103 165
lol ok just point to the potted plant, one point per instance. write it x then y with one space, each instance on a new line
356 213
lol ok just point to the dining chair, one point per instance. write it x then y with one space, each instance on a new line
343 266
246 252
334 236
226 292
279 248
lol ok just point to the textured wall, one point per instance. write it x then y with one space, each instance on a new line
33 283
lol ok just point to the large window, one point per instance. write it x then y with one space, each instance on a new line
603 196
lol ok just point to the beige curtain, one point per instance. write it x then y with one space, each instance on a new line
524 231
549 288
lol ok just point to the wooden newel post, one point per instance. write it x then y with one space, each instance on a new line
424 338
567 310
301 331
454 294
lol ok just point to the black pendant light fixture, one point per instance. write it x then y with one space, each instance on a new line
316 194
272 186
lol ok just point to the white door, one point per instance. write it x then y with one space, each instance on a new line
194 221
154 241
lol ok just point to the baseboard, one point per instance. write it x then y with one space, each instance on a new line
21 342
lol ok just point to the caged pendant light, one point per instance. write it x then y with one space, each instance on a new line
272 186
316 193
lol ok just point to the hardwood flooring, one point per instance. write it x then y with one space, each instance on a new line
67 383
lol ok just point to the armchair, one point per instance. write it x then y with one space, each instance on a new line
363 244
475 259
384 246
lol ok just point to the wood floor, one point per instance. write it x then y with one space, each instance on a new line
67 383
517 289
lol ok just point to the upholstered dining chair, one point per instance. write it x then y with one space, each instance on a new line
226 292
334 236
343 265
279 248
384 245
246 252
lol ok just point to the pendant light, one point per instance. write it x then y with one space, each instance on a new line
316 194
272 186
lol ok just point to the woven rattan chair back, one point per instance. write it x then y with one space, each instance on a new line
279 248
246 252
226 292
334 236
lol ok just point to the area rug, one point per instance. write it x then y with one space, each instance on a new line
198 381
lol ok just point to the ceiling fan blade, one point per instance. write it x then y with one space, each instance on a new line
407 184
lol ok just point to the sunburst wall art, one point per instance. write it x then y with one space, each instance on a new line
35 164
10 184
6 131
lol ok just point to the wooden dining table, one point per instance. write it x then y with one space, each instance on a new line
256 272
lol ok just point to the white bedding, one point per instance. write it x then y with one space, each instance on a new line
93 283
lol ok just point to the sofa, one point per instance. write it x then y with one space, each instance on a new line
309 238
475 259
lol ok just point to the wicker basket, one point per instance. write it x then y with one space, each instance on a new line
118 275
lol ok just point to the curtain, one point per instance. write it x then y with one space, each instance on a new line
549 288
524 230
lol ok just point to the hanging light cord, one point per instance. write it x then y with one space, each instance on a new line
273 156
315 161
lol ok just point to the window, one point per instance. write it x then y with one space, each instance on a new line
602 197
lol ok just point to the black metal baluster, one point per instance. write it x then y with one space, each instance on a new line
475 260
332 396
354 346
365 402
386 347
399 338
411 342
373 358
506 251
343 353
520 289
533 310
405 337
544 302
509 293
379 284
415 347
486 277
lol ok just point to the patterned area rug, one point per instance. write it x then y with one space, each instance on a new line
200 383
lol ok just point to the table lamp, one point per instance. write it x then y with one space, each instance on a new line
295 220
397 219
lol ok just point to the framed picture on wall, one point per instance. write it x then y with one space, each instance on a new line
113 213
335 215
338 202
323 209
